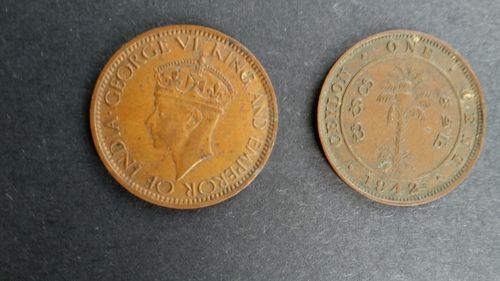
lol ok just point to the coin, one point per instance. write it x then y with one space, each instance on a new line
401 118
183 116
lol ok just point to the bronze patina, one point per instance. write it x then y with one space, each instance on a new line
183 116
401 118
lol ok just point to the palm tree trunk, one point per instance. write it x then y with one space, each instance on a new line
397 141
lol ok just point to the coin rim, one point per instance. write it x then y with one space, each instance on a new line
472 159
265 80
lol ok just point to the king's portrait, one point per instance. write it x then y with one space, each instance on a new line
190 97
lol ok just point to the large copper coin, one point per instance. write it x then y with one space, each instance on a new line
401 118
184 116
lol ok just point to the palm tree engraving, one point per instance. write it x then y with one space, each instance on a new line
407 98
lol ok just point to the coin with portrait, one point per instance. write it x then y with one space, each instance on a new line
184 116
401 118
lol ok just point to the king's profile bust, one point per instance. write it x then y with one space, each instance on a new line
190 97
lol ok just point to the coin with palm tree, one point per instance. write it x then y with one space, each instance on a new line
401 117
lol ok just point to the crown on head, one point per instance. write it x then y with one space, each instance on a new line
194 81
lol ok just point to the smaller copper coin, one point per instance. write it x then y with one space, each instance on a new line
184 116
401 118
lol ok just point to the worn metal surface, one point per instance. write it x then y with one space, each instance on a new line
183 116
401 118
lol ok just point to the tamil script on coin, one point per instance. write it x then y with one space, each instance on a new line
401 118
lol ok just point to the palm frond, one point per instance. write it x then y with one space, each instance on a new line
385 97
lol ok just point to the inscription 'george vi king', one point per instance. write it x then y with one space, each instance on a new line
183 116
